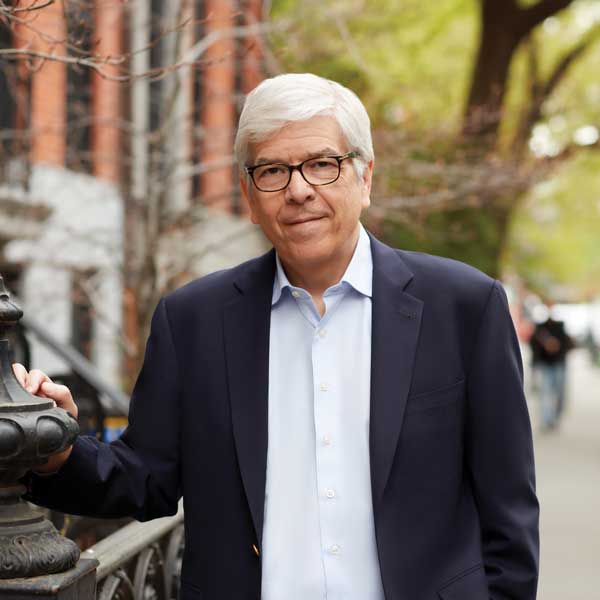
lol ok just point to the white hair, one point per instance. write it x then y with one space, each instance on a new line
283 99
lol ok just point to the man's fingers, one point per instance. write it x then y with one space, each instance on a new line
61 395
35 380
56 391
20 373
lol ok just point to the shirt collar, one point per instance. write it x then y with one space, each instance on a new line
359 273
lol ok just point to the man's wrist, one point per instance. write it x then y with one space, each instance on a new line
54 464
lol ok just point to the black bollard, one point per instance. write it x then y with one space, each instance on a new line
31 430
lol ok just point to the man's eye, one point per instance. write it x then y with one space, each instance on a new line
270 170
322 164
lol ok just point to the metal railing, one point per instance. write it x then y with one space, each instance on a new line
141 561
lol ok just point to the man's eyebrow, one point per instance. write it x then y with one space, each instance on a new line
326 151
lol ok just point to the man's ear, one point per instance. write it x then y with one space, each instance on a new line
247 194
367 178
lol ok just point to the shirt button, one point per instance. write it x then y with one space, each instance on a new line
327 440
324 387
322 333
330 493
335 549
295 294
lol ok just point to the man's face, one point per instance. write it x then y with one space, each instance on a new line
309 225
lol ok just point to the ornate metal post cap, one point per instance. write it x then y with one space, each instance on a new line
9 312
31 430
10 390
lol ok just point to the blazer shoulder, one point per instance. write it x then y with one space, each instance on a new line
215 288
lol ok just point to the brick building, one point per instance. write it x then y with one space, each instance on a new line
85 152
74 115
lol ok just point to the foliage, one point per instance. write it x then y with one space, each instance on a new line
413 63
466 234
408 61
555 241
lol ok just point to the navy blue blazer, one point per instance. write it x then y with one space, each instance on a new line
456 514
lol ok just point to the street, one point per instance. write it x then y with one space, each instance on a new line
568 483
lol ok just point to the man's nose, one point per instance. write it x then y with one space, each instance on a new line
298 189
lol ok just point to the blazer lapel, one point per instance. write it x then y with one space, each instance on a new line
247 321
394 338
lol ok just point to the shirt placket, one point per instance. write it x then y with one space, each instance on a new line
328 467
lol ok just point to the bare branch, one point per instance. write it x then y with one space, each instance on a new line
8 11
198 49
94 63
567 60
351 45
540 91
566 153
532 109
98 63
532 16
535 84
475 185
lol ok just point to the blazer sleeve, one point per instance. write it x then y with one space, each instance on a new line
138 474
499 452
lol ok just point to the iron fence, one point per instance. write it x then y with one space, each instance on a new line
141 561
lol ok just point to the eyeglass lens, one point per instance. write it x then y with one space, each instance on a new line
316 171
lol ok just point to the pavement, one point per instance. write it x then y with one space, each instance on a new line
568 484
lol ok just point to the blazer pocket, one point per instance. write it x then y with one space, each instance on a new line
435 398
470 584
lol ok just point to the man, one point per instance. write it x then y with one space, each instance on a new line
550 345
343 420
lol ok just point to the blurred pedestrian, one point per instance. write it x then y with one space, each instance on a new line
592 347
550 344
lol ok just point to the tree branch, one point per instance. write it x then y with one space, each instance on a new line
97 63
532 109
532 16
348 40
541 91
567 60
8 11
241 31
551 162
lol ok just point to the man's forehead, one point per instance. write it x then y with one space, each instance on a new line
300 140
297 154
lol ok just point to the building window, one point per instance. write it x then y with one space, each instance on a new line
80 25
11 139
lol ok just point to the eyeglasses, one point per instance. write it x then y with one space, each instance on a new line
274 177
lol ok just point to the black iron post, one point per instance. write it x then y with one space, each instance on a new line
31 430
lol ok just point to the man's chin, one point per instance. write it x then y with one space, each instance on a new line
310 253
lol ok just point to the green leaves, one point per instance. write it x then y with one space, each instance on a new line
412 64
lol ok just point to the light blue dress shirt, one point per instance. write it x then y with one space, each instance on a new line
318 535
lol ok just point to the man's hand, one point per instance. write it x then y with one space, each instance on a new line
36 382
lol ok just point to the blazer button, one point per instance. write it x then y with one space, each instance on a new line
256 551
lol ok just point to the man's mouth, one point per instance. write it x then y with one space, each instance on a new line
301 220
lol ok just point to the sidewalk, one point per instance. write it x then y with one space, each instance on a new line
568 483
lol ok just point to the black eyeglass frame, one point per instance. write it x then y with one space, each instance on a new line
298 167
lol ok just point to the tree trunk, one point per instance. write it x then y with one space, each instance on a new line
137 191
499 39
503 25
